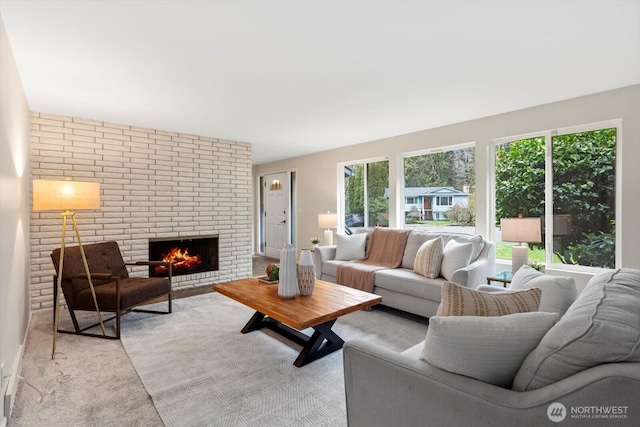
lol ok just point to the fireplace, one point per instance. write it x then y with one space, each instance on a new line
188 254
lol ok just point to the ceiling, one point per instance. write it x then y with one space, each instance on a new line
297 77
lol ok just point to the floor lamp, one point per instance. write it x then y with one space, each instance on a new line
328 221
66 196
520 230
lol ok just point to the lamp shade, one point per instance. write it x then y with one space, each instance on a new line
328 220
51 195
520 230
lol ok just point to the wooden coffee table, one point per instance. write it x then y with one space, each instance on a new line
289 316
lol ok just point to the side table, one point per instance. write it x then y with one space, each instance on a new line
502 276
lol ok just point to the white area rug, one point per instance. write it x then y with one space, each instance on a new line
201 371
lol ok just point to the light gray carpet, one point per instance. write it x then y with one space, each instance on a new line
91 382
201 371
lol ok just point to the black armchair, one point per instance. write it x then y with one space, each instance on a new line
115 291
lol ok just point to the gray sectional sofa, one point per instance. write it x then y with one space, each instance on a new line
401 287
585 371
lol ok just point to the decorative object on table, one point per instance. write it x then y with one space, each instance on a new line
535 265
64 196
288 285
267 280
315 241
273 272
328 221
306 273
520 230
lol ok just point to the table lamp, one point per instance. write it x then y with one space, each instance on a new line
328 221
520 230
65 196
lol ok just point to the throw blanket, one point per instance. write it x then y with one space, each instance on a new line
384 250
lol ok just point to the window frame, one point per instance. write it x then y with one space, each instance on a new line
342 189
401 184
548 136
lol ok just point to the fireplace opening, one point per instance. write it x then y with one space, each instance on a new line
187 255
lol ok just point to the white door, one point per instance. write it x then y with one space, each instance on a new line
277 213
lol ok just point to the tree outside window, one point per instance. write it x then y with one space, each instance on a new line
582 192
365 201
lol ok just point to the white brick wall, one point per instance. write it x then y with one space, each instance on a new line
153 184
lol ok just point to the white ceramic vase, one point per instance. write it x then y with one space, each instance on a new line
288 284
306 273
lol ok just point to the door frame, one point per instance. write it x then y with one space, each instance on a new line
293 208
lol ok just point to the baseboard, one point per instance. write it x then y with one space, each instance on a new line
12 386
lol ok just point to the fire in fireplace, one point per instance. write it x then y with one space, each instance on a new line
187 255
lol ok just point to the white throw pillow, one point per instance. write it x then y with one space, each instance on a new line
558 293
456 255
349 248
601 326
429 258
489 349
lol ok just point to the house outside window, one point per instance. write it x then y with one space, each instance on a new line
568 179
439 189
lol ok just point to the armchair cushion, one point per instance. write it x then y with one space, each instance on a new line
133 291
489 349
558 293
602 326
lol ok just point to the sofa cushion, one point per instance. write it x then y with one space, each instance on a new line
601 326
558 293
407 282
330 268
417 238
458 300
429 258
489 349
456 255
351 247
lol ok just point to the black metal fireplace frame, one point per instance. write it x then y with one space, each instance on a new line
208 249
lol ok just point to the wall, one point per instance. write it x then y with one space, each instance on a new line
14 211
317 173
153 184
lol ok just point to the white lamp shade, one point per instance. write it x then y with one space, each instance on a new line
51 195
328 220
520 230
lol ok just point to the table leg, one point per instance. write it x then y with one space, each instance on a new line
324 341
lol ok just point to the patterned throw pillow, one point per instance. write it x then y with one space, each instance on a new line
458 300
429 258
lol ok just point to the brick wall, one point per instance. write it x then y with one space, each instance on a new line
153 184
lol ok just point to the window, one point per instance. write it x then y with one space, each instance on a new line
439 189
366 203
568 179
444 201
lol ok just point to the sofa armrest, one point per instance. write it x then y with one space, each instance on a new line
383 387
322 254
